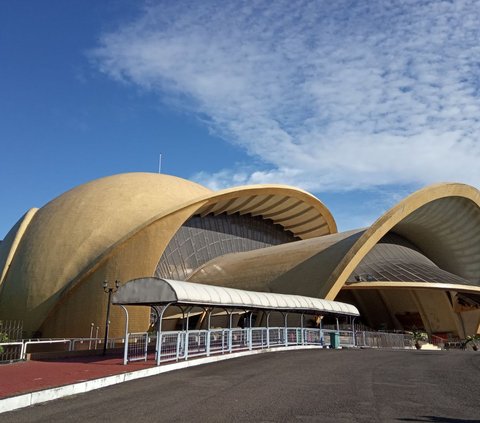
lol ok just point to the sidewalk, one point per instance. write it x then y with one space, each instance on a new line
32 382
30 376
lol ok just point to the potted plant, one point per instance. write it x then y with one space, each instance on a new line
471 339
3 338
418 336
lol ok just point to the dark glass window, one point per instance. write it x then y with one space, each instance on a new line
201 239
395 259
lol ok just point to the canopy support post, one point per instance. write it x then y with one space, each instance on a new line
209 312
230 337
158 346
157 351
353 332
180 335
286 328
125 345
189 309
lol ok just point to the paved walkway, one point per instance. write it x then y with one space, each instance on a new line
28 383
30 376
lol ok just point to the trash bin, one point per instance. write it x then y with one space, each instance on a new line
334 340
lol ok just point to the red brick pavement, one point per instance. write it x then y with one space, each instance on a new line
29 376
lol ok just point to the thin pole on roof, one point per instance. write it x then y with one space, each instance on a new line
160 163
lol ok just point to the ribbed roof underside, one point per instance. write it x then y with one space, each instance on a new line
155 291
302 218
394 259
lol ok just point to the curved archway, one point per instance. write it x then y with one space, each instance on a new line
448 212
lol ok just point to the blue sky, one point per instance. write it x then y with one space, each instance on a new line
360 103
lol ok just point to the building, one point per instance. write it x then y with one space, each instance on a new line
417 266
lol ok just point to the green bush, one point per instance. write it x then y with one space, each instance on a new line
3 338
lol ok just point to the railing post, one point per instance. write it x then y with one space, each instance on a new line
250 341
302 338
22 351
158 343
186 335
223 341
208 332
353 332
91 336
230 346
268 330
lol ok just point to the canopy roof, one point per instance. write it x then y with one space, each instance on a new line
155 291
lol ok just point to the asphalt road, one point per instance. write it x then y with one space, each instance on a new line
293 386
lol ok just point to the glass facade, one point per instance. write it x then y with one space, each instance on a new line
201 239
395 259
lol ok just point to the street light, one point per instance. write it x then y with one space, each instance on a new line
108 291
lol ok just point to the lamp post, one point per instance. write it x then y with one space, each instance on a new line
108 291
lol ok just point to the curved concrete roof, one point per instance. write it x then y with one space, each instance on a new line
297 211
413 285
295 267
76 231
395 259
51 249
442 220
69 232
9 245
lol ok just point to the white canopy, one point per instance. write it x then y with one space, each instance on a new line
155 291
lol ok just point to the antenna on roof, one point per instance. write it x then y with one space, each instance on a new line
160 163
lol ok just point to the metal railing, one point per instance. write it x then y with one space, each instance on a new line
29 342
437 341
13 329
182 345
137 346
14 351
11 351
383 340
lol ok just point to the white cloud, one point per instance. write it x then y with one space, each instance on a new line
328 95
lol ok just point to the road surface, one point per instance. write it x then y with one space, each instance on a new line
292 386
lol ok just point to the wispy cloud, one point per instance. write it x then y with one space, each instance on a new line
327 95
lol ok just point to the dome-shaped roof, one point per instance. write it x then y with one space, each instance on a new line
69 232
11 241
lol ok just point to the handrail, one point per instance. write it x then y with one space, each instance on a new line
27 343
176 344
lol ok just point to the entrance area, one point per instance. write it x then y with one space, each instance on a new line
300 320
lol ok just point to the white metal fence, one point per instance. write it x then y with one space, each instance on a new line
383 340
11 351
182 345
13 329
137 346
